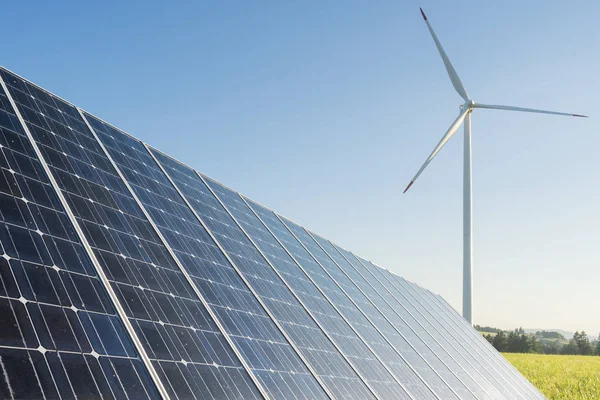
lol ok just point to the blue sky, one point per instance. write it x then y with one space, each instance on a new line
324 111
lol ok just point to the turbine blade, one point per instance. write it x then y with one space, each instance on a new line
449 68
451 131
531 110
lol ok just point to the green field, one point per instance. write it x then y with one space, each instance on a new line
560 377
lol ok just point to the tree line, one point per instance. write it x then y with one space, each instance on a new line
518 341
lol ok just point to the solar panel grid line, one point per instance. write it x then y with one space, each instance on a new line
81 236
433 305
349 298
316 238
375 306
298 264
172 253
403 296
251 289
489 389
460 322
373 392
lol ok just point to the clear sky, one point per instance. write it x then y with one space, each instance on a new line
324 111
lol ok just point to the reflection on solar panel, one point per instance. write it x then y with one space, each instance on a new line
125 274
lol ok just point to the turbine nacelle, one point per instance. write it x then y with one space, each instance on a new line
469 104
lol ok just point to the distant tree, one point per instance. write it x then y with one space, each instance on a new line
550 348
489 338
524 344
583 343
520 331
570 348
534 345
512 342
598 346
488 329
549 335
499 342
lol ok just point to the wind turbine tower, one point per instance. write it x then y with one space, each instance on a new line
465 117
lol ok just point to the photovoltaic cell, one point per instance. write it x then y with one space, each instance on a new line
125 274
267 350
330 321
60 336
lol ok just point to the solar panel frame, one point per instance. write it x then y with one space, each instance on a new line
185 273
284 279
82 238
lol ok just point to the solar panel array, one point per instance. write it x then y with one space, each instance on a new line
126 274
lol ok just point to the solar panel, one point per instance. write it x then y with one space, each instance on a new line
160 306
60 335
480 345
125 274
205 363
463 353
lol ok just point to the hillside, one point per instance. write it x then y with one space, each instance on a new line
568 335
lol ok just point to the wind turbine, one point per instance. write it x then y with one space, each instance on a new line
465 116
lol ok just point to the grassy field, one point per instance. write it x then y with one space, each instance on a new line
560 377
